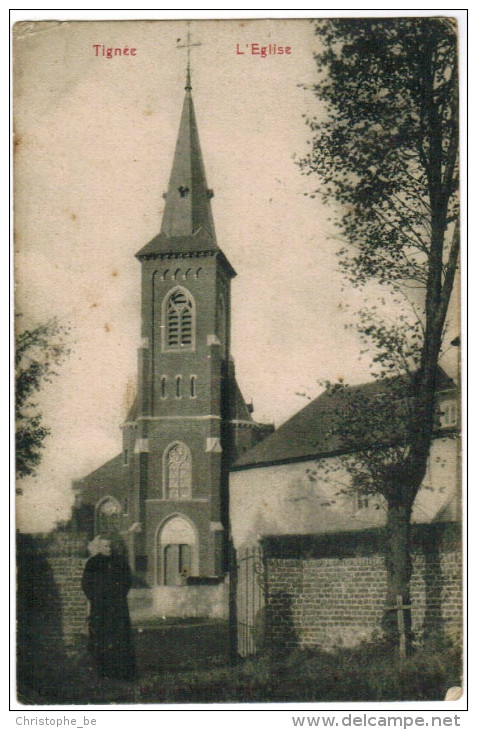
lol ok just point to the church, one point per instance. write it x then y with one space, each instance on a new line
166 493
197 473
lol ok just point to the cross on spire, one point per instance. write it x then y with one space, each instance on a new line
188 45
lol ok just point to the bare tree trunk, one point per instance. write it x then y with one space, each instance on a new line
399 570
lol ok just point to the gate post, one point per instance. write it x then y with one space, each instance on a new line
233 624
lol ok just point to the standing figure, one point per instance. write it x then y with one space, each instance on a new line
106 583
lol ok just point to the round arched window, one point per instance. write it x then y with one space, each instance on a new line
108 516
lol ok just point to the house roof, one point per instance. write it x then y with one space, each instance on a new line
309 433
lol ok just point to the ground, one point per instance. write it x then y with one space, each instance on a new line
187 661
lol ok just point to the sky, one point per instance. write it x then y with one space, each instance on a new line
94 141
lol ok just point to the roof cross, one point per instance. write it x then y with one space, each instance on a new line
188 45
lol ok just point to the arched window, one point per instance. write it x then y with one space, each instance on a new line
179 320
108 516
192 386
178 471
163 387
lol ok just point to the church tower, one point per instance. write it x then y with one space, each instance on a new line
167 494
183 375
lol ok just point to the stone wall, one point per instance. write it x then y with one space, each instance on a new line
330 590
192 600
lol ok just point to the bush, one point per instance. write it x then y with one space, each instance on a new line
371 672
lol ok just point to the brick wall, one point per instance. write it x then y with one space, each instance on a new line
67 556
330 590
51 606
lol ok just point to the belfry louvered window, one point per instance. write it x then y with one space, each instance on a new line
180 324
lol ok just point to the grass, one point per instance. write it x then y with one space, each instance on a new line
176 670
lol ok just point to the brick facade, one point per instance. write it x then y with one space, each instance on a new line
330 590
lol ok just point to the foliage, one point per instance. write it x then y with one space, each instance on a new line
386 151
38 353
371 424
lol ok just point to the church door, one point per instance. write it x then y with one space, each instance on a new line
177 553
177 564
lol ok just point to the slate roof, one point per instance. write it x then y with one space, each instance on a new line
102 478
132 413
187 223
238 409
200 241
307 434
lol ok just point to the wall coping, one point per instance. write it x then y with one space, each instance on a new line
424 537
54 544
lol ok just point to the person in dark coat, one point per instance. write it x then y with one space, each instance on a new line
106 583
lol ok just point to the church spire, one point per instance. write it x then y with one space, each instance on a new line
188 208
187 222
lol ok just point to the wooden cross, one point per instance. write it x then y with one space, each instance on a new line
400 608
188 45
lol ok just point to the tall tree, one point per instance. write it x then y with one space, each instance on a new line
38 353
386 151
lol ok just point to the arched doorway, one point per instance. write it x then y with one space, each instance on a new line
176 549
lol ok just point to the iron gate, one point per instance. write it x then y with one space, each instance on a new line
249 600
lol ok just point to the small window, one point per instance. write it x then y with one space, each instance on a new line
125 457
362 501
448 413
192 386
163 387
178 386
222 325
